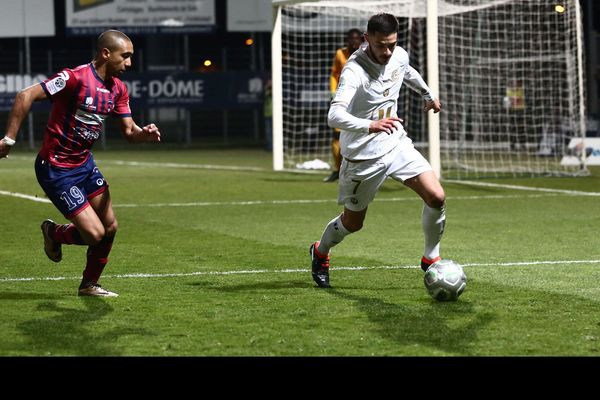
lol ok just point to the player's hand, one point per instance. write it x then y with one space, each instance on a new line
433 105
4 150
151 131
387 125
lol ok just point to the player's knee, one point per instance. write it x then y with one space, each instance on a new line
111 228
94 236
436 199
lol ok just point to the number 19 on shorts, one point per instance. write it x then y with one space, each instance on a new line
73 198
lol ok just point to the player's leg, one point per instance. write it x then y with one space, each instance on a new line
428 187
63 188
359 183
338 228
97 254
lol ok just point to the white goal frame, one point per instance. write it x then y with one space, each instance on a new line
434 148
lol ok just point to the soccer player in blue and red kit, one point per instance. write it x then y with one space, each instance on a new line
82 98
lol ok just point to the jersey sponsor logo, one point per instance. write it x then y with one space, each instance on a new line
89 118
87 134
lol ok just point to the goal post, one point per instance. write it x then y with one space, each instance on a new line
433 77
509 75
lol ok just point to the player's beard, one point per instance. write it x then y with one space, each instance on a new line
382 60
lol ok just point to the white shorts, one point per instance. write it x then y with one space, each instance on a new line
360 181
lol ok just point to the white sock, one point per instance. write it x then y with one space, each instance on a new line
333 234
434 220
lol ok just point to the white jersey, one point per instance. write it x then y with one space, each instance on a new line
368 91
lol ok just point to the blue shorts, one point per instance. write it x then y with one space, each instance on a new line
70 189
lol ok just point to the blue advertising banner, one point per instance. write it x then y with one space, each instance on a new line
228 90
240 89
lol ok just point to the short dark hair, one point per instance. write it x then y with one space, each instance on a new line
383 23
110 40
353 31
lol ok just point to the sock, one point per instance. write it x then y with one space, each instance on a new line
97 258
333 234
434 221
67 234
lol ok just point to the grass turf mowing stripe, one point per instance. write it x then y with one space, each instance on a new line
273 202
293 270
530 188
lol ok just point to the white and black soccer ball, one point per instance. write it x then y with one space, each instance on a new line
445 280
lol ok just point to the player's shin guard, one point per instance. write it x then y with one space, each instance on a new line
97 258
67 234
333 234
434 220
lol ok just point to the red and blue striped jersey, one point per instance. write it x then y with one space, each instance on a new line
81 101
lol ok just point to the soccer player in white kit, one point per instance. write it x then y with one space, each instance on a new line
374 144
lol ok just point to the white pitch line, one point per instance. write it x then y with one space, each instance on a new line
184 166
316 201
275 202
528 188
24 196
291 270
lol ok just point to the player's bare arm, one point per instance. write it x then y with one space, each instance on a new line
21 107
135 134
387 125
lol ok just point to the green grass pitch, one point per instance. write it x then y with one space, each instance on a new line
213 261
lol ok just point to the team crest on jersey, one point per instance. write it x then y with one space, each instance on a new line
89 104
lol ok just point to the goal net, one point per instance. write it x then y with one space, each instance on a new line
510 81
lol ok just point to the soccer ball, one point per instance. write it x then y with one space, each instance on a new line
445 280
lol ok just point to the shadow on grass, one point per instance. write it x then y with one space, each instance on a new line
450 327
259 286
74 331
28 296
